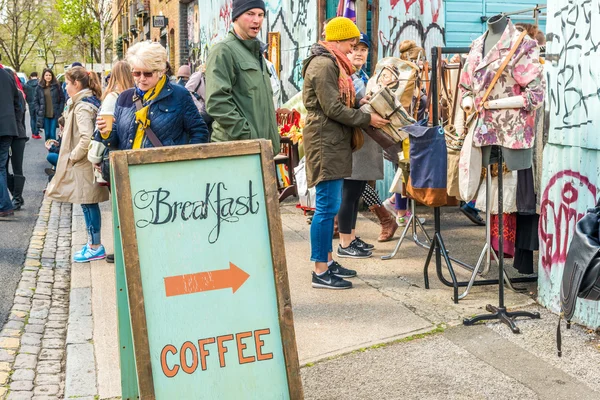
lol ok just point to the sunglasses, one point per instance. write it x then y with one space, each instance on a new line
147 74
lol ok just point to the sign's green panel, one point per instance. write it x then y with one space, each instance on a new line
207 279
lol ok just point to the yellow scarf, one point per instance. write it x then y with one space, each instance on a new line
141 116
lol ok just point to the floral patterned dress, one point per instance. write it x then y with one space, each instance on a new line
523 76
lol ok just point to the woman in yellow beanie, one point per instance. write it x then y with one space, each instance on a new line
330 99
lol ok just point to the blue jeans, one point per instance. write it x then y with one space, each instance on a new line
5 202
50 128
52 158
91 214
329 199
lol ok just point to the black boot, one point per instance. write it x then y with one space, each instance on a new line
17 192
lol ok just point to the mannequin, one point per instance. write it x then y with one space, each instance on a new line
515 159
496 26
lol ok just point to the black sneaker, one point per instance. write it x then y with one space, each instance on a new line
363 245
472 214
352 251
329 281
341 272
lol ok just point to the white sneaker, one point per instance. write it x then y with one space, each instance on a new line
387 204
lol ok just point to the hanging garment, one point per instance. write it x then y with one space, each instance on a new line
526 201
511 128
509 193
527 241
510 233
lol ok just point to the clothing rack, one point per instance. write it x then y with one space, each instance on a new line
500 313
438 242
537 12
414 223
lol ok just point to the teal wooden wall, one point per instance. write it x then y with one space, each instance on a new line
463 17
571 165
331 8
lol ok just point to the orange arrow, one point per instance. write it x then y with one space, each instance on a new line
232 278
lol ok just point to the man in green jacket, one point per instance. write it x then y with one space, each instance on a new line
238 87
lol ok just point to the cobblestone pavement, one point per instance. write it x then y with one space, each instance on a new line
32 342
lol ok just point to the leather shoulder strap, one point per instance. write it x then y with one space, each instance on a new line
456 90
503 67
149 132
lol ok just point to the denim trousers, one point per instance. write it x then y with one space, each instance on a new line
50 128
5 202
329 199
91 214
52 158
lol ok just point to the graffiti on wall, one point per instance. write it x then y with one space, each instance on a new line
215 22
418 20
573 79
193 39
296 20
564 192
571 164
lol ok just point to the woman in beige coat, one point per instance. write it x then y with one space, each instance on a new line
73 181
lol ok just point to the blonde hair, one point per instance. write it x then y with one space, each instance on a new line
150 55
120 78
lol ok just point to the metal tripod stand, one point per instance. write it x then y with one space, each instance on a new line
500 312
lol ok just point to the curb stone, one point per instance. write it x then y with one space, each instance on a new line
81 381
35 330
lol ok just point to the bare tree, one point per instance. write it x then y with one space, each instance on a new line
51 44
19 29
101 11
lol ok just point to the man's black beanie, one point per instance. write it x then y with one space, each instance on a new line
241 6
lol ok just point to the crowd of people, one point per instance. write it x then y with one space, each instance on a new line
234 98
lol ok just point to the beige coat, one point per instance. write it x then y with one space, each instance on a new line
73 181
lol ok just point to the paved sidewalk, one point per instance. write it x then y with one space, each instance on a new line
388 338
92 344
32 342
374 312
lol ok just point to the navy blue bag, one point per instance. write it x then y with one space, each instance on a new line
428 164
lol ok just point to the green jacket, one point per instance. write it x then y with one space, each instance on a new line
329 123
238 92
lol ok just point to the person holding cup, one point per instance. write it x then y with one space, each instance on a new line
154 103
120 80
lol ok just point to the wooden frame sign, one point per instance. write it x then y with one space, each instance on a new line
206 276
274 50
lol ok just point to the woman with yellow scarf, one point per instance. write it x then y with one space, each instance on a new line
167 109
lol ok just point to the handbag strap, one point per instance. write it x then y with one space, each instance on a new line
503 67
149 132
456 90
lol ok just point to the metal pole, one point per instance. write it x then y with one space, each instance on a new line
500 232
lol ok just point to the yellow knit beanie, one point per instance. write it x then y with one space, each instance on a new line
341 28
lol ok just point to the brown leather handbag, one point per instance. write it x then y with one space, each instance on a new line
358 139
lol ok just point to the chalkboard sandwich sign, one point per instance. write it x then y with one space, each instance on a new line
206 278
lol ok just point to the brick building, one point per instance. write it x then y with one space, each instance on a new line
135 23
